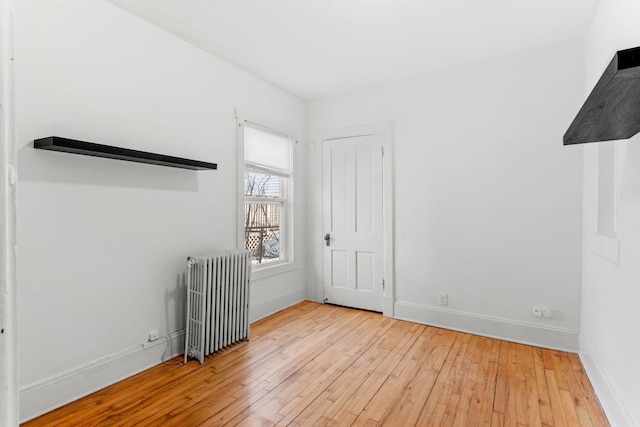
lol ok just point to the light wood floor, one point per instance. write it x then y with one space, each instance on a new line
318 364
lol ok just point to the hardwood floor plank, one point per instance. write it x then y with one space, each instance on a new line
435 407
373 384
585 393
546 416
503 410
324 368
481 407
356 356
406 407
324 365
457 377
385 397
531 404
497 419
465 412
569 410
554 397
335 397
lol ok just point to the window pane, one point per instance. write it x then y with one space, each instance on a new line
261 185
262 231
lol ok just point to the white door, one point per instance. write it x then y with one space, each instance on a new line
352 221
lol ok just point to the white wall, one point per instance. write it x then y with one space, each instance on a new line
609 344
103 243
487 200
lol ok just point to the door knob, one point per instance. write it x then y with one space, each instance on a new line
327 238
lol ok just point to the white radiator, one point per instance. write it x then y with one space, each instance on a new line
217 302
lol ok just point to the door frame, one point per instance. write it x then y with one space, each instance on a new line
385 130
9 415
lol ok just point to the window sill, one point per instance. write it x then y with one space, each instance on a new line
269 270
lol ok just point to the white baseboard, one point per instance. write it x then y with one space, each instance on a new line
615 408
275 304
44 396
504 329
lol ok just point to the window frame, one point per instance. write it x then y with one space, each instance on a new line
286 200
282 201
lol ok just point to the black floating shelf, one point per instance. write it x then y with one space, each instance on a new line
612 110
55 143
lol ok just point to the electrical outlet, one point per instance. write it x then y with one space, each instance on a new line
444 299
154 335
542 311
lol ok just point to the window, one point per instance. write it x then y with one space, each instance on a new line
267 181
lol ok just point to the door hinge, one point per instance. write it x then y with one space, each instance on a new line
382 284
382 148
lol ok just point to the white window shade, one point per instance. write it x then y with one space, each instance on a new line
267 152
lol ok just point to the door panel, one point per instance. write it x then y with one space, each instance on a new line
352 216
364 271
339 202
339 269
364 189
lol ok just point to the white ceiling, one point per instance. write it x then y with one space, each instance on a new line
315 48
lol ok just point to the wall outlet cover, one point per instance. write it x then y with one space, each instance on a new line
540 311
444 299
